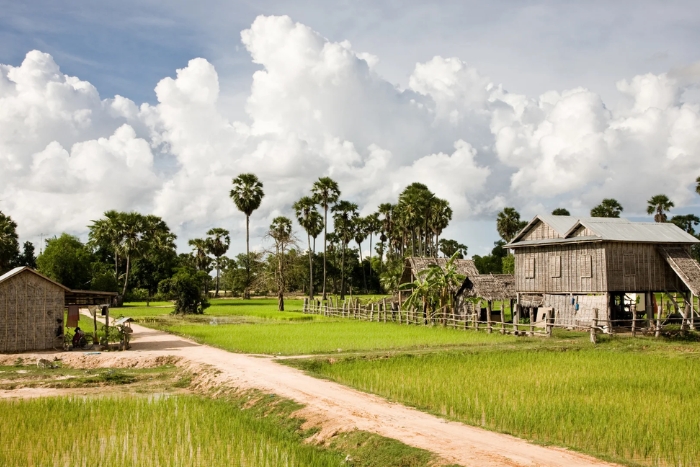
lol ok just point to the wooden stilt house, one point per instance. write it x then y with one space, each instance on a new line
581 269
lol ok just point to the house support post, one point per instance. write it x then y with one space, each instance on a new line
609 317
686 314
692 311
503 316
594 327
657 332
531 311
633 309
516 317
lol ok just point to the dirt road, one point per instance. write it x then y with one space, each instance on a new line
332 406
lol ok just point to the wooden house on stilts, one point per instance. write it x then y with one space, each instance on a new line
583 269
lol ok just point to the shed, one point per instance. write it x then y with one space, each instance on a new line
413 265
32 309
577 265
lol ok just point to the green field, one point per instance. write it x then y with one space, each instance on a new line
263 308
339 335
626 405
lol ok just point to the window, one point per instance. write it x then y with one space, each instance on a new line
628 265
530 268
586 266
555 266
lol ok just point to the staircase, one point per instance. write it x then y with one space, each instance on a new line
684 265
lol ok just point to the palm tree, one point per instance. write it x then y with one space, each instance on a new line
609 207
218 242
108 233
359 226
9 245
308 217
325 192
508 224
561 212
200 253
658 205
281 233
440 219
372 226
686 222
343 214
385 210
247 194
697 188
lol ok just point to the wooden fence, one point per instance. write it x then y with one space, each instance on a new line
470 317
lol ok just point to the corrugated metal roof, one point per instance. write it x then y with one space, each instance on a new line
654 232
562 224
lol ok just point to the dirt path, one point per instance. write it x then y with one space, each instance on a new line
332 406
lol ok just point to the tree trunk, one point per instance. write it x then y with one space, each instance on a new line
126 277
370 256
217 278
325 245
311 268
362 264
342 274
246 293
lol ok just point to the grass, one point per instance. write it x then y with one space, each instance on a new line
181 430
615 402
341 335
257 308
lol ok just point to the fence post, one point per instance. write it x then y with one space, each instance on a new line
532 320
489 327
657 332
633 309
594 336
371 312
550 322
516 318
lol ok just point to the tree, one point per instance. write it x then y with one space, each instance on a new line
359 227
697 187
451 247
247 194
107 234
561 212
441 215
186 288
27 258
311 221
67 261
508 224
325 192
281 233
372 226
659 205
343 214
217 244
493 263
9 245
200 254
609 207
686 222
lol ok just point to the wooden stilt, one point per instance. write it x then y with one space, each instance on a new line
594 327
503 317
633 309
489 328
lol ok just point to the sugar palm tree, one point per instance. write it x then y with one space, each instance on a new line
508 224
108 234
609 207
281 233
561 212
247 194
218 241
359 227
440 218
200 253
311 221
697 188
343 214
686 222
659 205
325 192
372 226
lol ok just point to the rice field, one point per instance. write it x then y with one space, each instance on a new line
639 407
148 431
340 335
262 308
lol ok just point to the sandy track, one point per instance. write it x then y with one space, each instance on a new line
333 406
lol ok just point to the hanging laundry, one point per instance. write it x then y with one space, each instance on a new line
73 316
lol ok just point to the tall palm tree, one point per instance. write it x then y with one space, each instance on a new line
372 226
281 233
659 205
440 218
108 233
308 217
218 241
200 253
343 214
247 194
508 224
561 212
359 227
385 211
609 207
9 245
325 192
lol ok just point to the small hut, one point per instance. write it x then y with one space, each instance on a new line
32 309
415 264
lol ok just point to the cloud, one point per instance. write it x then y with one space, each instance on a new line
318 107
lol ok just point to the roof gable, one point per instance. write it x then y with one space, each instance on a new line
21 269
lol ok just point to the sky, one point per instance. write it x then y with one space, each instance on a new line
156 106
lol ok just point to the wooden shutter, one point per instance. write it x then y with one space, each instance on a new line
586 266
530 267
555 266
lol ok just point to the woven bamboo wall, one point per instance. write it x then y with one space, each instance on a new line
30 308
541 231
577 268
565 313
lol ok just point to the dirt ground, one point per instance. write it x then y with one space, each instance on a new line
331 406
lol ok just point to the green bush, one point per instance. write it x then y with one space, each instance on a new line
186 288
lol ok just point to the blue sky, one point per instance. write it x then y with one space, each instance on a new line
528 49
